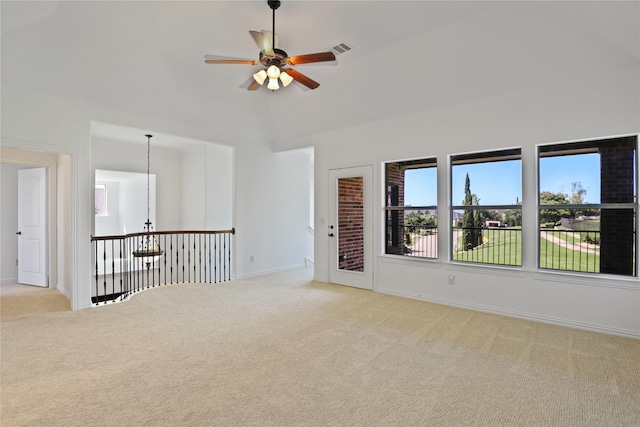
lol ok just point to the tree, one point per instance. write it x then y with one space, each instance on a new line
513 217
489 215
419 220
578 197
577 193
471 226
554 214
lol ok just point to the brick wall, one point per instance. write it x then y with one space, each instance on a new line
351 224
617 225
395 219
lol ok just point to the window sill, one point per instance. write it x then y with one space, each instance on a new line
408 260
602 280
493 269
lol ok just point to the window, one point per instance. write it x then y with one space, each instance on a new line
101 200
486 211
587 206
411 212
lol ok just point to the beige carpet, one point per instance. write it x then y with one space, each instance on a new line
281 350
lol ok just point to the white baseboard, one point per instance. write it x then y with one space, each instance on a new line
520 315
8 280
64 291
274 270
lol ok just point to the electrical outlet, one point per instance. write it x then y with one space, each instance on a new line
452 279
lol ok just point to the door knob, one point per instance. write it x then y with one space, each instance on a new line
19 233
330 234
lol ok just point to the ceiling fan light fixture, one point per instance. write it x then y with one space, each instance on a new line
260 76
273 84
285 79
275 60
273 72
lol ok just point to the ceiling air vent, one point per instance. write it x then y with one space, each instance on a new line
341 48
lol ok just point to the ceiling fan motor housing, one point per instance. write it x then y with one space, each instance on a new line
274 4
279 58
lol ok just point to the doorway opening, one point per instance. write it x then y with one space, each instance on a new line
54 258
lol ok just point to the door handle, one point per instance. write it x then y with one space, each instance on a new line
19 233
330 234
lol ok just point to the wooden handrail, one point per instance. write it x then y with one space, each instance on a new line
145 233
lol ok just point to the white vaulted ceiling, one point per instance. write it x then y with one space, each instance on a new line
146 57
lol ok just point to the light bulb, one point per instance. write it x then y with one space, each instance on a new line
273 84
285 79
273 72
260 76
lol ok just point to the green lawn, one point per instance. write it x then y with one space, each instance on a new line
555 257
504 247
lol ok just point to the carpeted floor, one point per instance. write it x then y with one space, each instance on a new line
282 350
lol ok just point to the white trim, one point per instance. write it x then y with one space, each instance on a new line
269 271
63 291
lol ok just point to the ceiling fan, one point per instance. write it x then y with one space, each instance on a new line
275 60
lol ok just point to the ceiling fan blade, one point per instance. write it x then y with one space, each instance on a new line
310 58
250 84
264 40
215 59
254 85
301 78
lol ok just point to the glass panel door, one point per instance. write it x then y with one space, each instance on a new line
350 227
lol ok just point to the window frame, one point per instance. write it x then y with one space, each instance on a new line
476 157
387 208
585 146
105 211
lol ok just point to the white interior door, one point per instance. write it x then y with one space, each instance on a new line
32 237
351 227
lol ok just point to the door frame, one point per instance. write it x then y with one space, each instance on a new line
364 280
29 159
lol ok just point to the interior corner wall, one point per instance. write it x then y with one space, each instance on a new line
272 210
219 187
600 106
193 188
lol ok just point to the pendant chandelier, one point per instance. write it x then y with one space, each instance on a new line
148 250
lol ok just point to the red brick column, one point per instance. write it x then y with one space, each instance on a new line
395 219
617 225
351 224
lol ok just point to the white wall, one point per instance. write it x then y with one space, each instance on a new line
219 190
581 108
8 222
194 166
165 165
272 203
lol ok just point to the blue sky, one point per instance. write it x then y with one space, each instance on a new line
557 174
500 183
